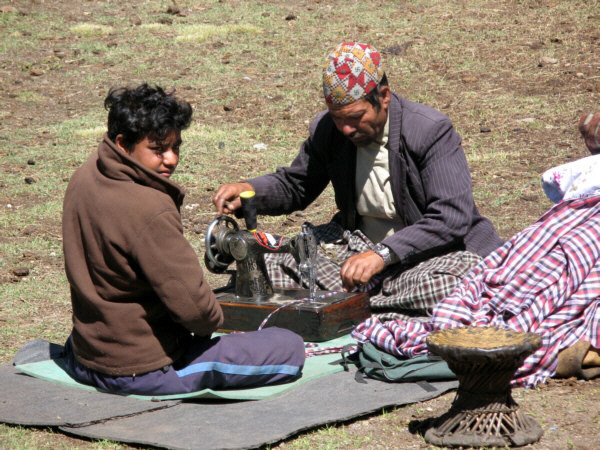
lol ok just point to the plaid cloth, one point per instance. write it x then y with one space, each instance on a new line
545 280
283 270
394 293
421 288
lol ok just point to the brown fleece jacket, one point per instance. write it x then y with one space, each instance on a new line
137 288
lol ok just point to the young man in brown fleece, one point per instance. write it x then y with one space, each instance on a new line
143 314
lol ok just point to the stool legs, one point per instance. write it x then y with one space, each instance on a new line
483 412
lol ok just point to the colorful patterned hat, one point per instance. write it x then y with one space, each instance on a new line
351 72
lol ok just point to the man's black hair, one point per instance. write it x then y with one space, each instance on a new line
373 96
144 111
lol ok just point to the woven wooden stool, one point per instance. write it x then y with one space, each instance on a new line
483 412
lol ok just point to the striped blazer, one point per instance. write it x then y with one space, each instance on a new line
430 180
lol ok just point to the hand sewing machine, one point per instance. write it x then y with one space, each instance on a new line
250 296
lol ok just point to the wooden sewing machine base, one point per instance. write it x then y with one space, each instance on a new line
329 316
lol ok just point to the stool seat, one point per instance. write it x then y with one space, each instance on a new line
483 413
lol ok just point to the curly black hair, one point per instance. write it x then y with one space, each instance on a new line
144 111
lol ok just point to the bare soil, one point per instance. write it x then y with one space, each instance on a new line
567 410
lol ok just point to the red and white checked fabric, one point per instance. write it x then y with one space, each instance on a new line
316 350
545 280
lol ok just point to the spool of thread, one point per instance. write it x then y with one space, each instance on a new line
249 210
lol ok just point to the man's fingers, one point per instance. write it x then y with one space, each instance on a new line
219 203
347 283
351 274
222 200
227 197
229 207
359 269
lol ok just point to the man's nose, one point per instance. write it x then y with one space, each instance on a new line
348 130
170 158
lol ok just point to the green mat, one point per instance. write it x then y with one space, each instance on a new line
316 366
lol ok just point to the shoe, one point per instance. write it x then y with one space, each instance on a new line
589 126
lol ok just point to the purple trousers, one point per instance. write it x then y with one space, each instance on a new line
257 358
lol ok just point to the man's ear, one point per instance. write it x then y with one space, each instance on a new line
385 96
119 143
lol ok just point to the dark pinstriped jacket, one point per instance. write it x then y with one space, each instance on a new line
429 174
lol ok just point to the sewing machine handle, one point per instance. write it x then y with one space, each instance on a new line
249 210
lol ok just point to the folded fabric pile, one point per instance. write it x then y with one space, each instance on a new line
546 280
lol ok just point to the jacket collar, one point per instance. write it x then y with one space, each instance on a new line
346 162
117 165
395 121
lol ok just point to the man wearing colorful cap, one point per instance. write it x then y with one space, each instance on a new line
401 182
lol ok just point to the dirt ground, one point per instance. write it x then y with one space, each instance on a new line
568 410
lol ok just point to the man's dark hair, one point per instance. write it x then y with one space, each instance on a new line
373 96
144 111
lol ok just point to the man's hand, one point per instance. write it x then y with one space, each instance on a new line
227 198
359 269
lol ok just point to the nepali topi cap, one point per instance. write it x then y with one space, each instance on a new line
352 71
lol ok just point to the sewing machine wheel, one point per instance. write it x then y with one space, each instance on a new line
216 260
